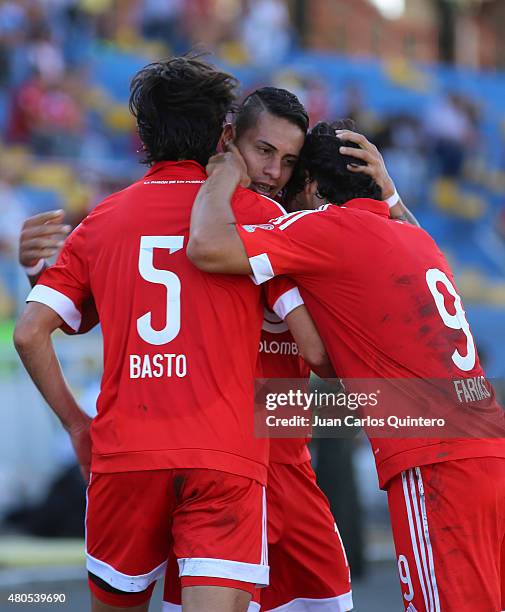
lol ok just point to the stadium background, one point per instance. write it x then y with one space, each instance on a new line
422 78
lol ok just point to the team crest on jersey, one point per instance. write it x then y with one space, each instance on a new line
272 323
253 228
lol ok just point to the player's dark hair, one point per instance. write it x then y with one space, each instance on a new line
180 105
321 160
278 102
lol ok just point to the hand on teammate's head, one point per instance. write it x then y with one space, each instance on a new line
231 161
369 159
42 236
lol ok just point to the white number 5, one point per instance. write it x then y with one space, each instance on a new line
160 277
454 321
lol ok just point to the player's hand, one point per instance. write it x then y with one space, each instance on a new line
41 237
80 437
231 161
369 153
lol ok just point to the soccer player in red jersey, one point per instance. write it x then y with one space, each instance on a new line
173 460
385 303
308 564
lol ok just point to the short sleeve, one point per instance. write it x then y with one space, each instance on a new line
65 286
285 245
89 319
282 296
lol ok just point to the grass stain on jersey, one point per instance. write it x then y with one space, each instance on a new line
405 279
178 484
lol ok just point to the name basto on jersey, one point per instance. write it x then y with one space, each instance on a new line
176 383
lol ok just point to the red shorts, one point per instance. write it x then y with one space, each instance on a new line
308 566
448 524
214 522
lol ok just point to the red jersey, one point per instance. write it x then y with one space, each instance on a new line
180 346
380 292
279 358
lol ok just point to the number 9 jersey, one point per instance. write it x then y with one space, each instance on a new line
180 346
383 299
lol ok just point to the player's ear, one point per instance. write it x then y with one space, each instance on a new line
309 192
227 135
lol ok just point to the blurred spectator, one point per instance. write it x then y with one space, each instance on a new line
401 141
45 113
13 209
162 20
13 22
266 32
450 123
44 55
353 106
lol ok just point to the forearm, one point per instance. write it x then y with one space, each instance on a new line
324 370
309 342
212 214
401 212
398 210
37 354
214 244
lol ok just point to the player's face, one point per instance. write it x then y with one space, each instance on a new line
270 149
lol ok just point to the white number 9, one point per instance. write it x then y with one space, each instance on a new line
404 573
454 321
161 277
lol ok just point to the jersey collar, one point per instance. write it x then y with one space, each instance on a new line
186 168
373 206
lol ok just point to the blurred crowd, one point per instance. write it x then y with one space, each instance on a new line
66 138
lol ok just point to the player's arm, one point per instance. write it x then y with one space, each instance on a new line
401 212
309 342
41 237
214 244
32 339
283 298
376 169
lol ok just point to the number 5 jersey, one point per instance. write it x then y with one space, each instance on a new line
180 346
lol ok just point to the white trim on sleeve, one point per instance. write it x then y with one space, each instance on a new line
340 603
223 568
170 607
261 268
120 581
59 302
287 302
